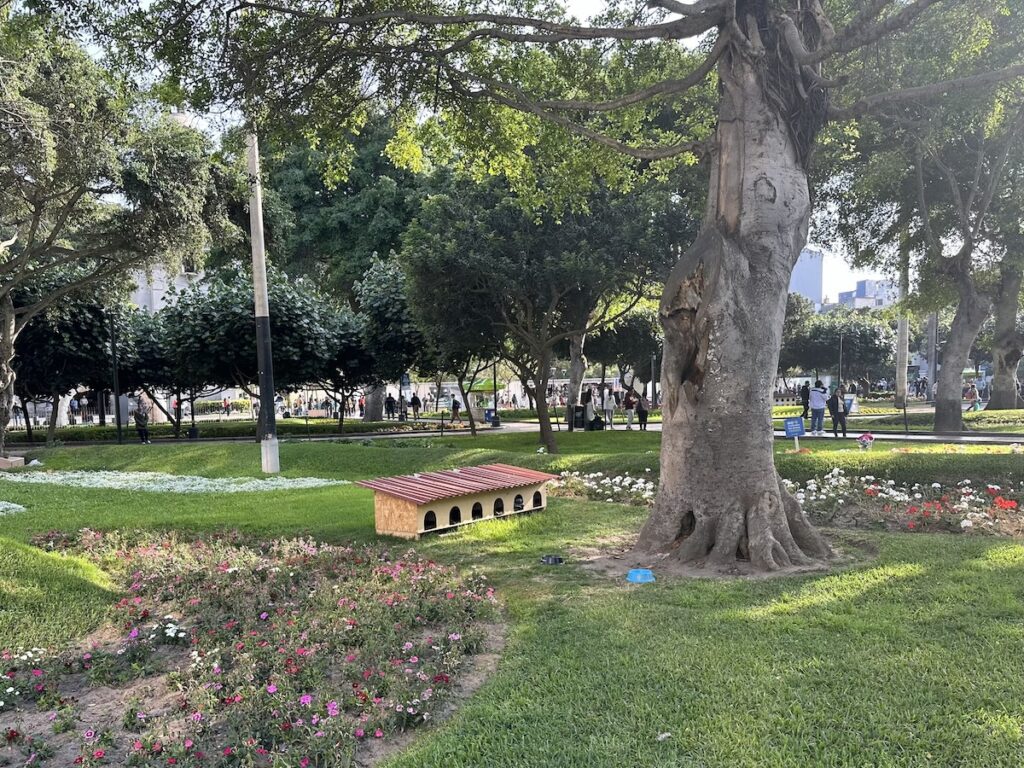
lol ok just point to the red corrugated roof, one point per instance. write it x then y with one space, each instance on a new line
431 486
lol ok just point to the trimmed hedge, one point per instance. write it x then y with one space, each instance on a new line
222 429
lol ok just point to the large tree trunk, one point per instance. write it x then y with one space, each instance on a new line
720 497
374 410
971 312
465 402
577 369
547 435
1008 340
51 427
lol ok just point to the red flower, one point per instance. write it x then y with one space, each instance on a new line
12 735
99 754
911 525
912 511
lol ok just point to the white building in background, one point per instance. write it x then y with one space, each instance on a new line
808 278
869 294
152 287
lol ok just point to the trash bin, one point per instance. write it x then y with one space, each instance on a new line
579 417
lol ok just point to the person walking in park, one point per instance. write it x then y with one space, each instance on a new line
837 410
456 406
389 406
643 407
805 398
817 399
415 403
608 406
142 425
628 405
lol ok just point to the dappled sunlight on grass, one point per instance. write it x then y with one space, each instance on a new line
1000 557
46 597
832 589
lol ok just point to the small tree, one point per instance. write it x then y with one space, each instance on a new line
88 178
389 328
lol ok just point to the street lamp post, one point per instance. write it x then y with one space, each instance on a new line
654 383
267 424
840 358
495 421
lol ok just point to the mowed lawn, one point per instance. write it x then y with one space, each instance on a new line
912 657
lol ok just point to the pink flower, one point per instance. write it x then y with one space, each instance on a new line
378 734
197 717
37 673
136 745
98 754
189 743
304 762
305 700
271 688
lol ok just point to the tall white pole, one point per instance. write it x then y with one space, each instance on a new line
267 422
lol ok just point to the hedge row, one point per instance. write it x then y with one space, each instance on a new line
222 429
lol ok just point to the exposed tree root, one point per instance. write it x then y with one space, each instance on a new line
767 529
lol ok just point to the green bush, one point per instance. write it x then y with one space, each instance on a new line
219 429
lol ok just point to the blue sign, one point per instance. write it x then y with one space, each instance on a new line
794 426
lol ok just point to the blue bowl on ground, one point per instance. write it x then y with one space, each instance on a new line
640 576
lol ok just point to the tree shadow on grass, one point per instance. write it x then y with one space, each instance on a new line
47 598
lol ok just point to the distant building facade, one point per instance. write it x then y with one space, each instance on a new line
808 278
869 294
152 288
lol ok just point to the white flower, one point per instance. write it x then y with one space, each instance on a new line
966 524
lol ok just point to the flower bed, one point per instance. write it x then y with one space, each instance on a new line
225 653
867 500
159 482
598 486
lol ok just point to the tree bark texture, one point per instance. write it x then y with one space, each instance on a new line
8 333
577 368
374 408
971 314
1008 341
51 426
720 497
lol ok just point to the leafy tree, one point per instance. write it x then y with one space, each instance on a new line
932 179
339 224
88 177
64 347
629 343
867 344
348 364
536 279
799 315
510 88
390 331
152 367
210 331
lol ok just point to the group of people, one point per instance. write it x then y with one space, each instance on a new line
817 399
633 404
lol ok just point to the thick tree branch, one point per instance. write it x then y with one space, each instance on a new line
549 31
859 34
523 103
869 104
663 88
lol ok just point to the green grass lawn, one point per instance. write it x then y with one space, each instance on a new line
909 658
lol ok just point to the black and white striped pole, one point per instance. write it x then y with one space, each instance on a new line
267 422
